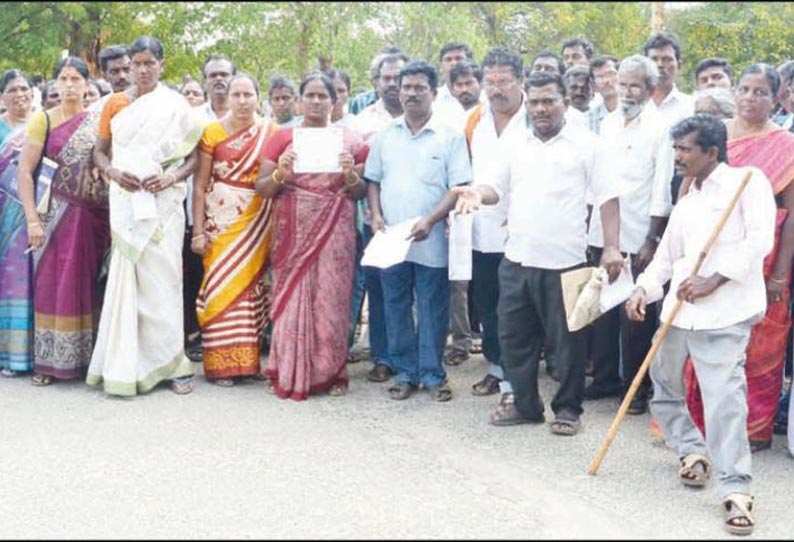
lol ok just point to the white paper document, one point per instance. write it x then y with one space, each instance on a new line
460 245
317 150
619 291
390 247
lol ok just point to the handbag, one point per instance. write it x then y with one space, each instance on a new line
42 176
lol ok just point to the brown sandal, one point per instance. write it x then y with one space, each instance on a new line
337 390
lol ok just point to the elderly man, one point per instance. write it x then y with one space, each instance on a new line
713 73
546 178
401 189
217 71
361 101
492 131
720 305
637 135
577 52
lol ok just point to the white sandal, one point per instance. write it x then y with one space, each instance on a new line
739 506
689 464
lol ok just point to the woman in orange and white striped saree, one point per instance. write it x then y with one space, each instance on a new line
231 229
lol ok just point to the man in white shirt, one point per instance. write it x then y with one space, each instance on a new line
604 73
665 51
218 72
547 178
720 305
465 80
579 90
637 136
446 105
492 131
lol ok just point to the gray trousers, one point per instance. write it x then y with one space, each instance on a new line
718 356
459 324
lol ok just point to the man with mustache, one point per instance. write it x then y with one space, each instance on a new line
446 105
491 131
466 81
218 72
579 89
411 165
369 122
115 65
546 177
637 135
714 73
577 52
720 305
604 74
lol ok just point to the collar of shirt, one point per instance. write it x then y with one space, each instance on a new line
564 133
433 125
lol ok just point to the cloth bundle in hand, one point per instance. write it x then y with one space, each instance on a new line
581 293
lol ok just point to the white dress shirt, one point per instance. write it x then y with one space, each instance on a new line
738 253
371 120
675 106
644 162
547 183
488 149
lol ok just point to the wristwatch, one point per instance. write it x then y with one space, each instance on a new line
655 238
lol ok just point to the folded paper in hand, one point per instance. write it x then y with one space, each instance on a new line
390 247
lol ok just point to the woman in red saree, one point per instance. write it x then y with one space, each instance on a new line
231 230
71 235
754 140
313 253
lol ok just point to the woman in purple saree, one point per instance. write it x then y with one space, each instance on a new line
71 237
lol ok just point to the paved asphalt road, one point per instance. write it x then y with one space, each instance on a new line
238 463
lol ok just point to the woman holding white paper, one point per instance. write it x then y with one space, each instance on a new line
313 248
152 132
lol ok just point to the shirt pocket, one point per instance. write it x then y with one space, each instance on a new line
432 168
733 229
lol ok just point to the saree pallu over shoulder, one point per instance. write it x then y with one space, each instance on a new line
231 305
16 273
65 297
162 126
772 153
140 338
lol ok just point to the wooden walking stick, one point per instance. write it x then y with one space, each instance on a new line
624 406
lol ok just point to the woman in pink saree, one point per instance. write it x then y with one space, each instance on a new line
754 140
312 253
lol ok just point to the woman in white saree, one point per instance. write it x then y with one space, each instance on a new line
151 132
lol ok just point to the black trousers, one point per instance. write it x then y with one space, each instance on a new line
485 287
635 340
193 273
531 307
605 342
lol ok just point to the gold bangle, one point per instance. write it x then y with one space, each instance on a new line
356 179
275 180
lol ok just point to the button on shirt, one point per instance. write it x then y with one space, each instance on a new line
547 183
487 152
676 106
415 171
738 253
644 155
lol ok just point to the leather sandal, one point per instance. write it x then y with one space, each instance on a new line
565 426
401 391
507 414
453 358
487 386
41 380
440 393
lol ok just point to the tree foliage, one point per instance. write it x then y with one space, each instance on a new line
266 38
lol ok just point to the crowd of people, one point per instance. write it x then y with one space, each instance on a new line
145 225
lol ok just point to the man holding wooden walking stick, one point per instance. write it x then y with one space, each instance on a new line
720 304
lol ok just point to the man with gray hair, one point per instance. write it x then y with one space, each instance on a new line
715 101
637 134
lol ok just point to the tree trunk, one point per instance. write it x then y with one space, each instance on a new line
657 17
